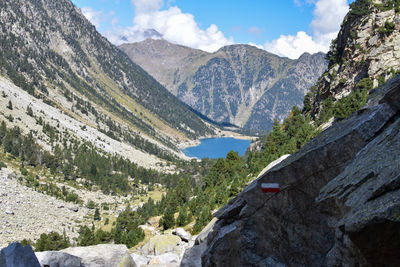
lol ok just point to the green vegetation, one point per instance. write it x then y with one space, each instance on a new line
388 5
52 241
347 105
9 105
387 29
2 165
96 216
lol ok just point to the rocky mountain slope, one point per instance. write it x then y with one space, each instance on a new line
238 84
338 204
367 50
52 52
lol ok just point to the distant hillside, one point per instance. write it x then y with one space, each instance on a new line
49 49
238 84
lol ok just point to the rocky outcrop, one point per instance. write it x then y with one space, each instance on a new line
103 255
238 84
15 255
367 46
339 202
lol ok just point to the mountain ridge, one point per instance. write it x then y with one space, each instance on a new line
231 84
59 60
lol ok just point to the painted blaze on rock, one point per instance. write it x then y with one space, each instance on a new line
270 187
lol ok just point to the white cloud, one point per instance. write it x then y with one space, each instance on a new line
146 6
256 45
328 15
293 46
94 16
174 26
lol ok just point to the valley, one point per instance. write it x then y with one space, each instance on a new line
92 171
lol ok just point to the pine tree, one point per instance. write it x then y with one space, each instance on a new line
168 220
96 216
182 217
10 106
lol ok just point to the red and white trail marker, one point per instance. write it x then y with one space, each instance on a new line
270 187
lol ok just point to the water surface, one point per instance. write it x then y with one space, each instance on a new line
217 147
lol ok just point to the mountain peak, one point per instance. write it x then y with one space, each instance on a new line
238 84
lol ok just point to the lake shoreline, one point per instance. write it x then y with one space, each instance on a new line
221 134
216 147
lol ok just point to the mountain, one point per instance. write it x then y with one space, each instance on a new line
81 126
52 52
365 54
238 84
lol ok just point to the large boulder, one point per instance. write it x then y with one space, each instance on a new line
15 255
339 200
58 259
103 255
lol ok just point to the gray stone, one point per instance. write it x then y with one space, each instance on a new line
192 256
74 208
103 255
15 255
166 259
185 236
139 259
58 259
202 236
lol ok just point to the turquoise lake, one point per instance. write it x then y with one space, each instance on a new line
217 147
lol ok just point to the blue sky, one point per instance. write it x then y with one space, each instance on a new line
284 27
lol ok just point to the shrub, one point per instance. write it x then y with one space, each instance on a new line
387 29
365 83
52 241
2 165
91 205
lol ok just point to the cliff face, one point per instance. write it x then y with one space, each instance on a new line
367 47
238 84
339 203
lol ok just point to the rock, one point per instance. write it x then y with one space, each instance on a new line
15 255
9 211
272 164
103 255
161 244
74 208
139 259
185 236
12 175
58 259
166 259
339 200
201 237
192 256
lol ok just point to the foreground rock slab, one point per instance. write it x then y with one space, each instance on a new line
103 255
58 259
15 255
